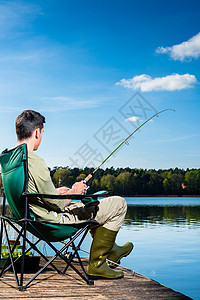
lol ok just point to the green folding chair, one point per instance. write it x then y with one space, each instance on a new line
14 169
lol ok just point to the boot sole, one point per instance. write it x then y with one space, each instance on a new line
97 277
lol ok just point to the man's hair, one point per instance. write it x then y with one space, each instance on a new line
27 122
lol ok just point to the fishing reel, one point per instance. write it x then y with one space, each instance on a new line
86 188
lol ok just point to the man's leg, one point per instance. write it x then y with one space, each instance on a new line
110 215
110 212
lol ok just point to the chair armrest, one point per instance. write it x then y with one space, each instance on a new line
87 200
101 193
61 197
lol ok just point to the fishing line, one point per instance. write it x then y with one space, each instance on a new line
124 141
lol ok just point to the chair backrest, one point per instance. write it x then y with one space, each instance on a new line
15 178
14 169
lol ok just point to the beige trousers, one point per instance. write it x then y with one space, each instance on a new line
110 213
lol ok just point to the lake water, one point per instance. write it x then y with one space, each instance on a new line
166 236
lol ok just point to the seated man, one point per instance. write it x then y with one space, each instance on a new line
109 214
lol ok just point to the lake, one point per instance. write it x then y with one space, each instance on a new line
166 236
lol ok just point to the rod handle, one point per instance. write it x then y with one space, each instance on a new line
87 178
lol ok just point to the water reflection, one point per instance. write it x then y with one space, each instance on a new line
144 215
165 232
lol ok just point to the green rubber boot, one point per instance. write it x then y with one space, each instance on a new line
118 252
102 244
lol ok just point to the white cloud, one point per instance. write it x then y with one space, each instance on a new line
168 83
177 139
63 103
15 16
34 55
132 119
184 51
10 109
58 98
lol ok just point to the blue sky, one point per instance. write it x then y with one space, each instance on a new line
97 70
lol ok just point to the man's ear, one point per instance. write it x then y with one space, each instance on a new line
37 131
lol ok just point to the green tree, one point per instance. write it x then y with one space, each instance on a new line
63 177
127 182
123 183
95 186
155 184
134 184
166 186
192 182
176 183
108 183
80 177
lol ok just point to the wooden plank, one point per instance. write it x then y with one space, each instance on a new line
50 285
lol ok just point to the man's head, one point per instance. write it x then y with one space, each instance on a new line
29 124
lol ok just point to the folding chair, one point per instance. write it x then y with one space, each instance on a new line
14 169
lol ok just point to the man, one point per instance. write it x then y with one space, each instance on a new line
109 214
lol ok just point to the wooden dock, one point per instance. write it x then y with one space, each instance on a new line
50 285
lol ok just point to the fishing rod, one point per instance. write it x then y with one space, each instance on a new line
124 141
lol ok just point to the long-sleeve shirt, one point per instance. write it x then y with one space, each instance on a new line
40 182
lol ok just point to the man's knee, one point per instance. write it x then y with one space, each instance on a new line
120 200
120 203
114 205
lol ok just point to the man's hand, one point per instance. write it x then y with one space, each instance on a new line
63 190
78 188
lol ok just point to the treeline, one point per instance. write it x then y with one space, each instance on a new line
133 182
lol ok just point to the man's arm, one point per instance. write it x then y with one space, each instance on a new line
78 188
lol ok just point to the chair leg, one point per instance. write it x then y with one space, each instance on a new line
10 254
59 254
32 246
23 257
1 232
76 249
7 265
1 236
